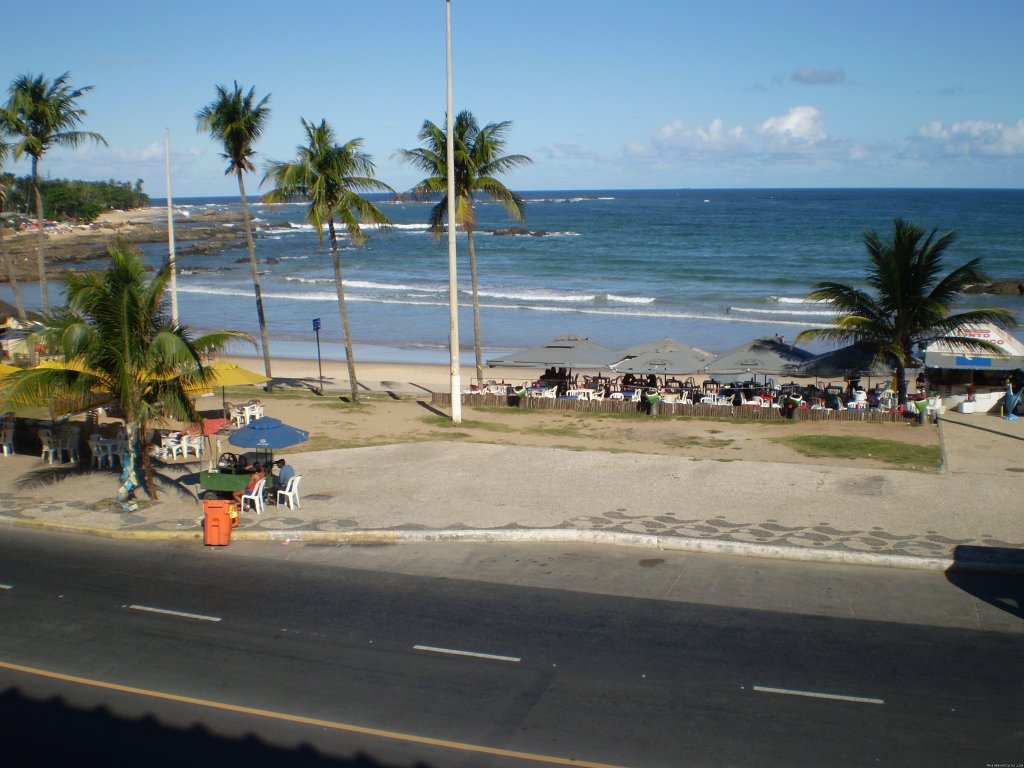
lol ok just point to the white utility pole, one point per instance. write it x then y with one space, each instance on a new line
170 230
453 282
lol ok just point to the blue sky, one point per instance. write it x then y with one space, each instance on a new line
601 94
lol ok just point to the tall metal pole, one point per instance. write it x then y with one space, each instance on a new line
170 230
319 364
453 282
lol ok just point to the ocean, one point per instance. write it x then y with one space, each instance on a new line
711 268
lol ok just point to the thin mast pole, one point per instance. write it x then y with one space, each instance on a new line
170 230
453 282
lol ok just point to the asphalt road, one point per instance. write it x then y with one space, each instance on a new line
246 656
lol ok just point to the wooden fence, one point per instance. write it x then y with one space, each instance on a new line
697 411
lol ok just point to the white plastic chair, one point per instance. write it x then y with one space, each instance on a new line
256 497
195 444
51 448
291 492
579 394
172 445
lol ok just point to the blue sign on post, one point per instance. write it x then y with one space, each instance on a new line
316 323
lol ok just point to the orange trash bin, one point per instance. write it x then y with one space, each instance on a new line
219 517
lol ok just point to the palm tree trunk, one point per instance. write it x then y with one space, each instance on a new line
148 480
476 309
41 237
256 282
129 475
12 277
343 311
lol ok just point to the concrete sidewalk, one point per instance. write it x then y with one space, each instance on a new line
967 516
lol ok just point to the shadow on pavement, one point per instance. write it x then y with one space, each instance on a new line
992 574
52 733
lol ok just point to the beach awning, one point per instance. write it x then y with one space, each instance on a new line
946 353
669 358
562 352
849 362
767 355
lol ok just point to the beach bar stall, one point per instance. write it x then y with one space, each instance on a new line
973 380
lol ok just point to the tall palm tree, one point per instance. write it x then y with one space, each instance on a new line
5 150
331 177
478 160
42 114
117 337
912 300
236 120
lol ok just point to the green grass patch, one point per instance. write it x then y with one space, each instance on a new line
445 422
569 430
692 441
888 451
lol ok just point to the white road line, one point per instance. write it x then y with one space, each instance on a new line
6 586
453 652
815 695
181 614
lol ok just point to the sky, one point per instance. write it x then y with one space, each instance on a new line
651 94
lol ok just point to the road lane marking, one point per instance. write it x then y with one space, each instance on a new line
817 695
474 654
6 586
180 614
299 719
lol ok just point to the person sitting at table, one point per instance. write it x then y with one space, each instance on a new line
257 475
285 472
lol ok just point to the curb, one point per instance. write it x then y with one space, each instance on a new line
568 535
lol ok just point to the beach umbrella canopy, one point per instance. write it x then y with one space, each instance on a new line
5 369
767 355
231 375
562 352
670 358
949 354
227 375
850 362
267 434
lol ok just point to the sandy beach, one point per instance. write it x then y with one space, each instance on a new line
394 407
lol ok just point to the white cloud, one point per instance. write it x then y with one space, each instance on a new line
801 125
713 138
812 76
569 152
972 138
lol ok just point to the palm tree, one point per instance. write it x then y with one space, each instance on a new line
911 303
44 114
5 150
478 159
331 177
119 341
236 120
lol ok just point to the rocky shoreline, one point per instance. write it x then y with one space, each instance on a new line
196 234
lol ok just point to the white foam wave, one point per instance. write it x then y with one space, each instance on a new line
330 296
630 299
801 312
539 296
405 227
794 300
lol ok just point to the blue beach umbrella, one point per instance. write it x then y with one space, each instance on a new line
267 434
